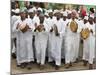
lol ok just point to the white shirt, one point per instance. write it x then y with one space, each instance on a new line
20 22
59 25
36 19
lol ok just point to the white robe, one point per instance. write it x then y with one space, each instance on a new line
14 18
36 19
80 25
50 23
56 44
24 50
41 45
63 39
71 44
89 45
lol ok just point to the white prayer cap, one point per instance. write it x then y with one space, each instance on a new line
30 10
46 14
55 11
17 11
69 12
50 10
65 14
34 9
86 17
92 16
40 9
13 10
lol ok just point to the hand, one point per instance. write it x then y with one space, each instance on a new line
91 30
57 34
35 25
51 30
18 26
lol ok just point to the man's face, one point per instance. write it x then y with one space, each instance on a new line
73 15
64 18
23 15
38 12
85 21
58 16
41 19
90 20
50 14
69 16
31 15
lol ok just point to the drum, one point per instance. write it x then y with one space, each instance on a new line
40 28
85 33
56 30
24 29
73 26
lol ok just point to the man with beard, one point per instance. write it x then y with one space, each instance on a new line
24 50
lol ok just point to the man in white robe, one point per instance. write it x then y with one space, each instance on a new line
24 50
89 44
32 24
14 18
70 42
65 21
41 38
55 51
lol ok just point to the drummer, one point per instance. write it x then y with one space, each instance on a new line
89 44
71 37
24 50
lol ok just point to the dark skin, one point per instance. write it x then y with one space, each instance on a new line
51 15
58 15
91 22
31 15
94 20
41 26
46 16
23 16
64 18
85 21
41 19
69 16
73 16
38 12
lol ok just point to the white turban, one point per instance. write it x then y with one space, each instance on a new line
86 17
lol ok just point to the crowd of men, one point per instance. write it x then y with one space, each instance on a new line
36 35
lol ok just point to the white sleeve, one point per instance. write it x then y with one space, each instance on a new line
46 27
94 32
15 26
79 27
62 28
31 25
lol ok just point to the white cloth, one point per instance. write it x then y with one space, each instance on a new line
14 18
71 47
89 45
36 19
24 50
41 45
64 23
56 43
50 23
80 25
